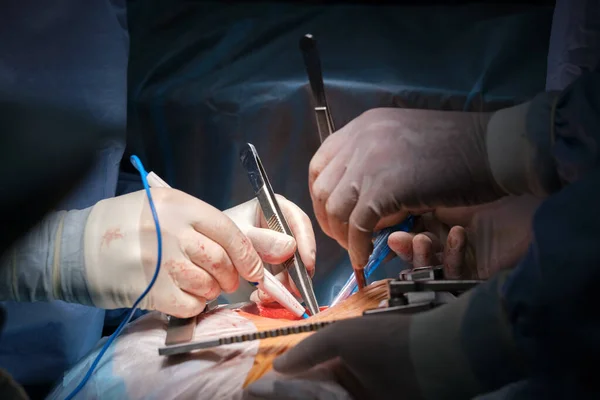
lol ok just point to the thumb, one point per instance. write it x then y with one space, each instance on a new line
272 247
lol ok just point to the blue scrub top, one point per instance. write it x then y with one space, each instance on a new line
73 53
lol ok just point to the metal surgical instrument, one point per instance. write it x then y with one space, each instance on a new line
277 222
380 252
312 62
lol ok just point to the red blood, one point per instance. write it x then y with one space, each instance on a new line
276 311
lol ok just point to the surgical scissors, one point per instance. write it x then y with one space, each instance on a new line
277 222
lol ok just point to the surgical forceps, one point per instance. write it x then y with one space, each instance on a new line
277 222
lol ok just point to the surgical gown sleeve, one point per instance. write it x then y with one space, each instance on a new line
540 321
540 146
48 263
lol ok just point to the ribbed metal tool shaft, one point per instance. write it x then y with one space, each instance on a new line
245 337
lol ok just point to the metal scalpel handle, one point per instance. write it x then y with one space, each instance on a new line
276 221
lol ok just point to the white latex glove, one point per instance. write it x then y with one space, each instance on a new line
274 247
471 242
203 253
389 161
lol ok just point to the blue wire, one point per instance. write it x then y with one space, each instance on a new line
140 167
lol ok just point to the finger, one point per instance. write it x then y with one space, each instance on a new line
272 247
363 219
401 243
222 230
325 185
425 245
191 279
312 351
185 305
303 231
454 253
341 202
326 152
285 279
259 296
391 220
213 259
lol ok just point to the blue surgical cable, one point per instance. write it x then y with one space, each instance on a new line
140 167
380 252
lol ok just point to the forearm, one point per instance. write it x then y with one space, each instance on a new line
539 146
48 264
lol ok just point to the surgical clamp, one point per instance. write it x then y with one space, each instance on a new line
422 289
277 222
312 62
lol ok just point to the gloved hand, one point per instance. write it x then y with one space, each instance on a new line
316 384
274 247
203 252
368 356
389 161
470 242
455 351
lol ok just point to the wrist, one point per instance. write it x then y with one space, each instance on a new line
47 264
519 144
509 153
70 276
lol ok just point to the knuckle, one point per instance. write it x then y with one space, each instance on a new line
161 195
334 209
232 284
220 258
248 259
315 166
281 198
320 192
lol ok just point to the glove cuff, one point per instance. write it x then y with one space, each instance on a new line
48 263
464 348
519 142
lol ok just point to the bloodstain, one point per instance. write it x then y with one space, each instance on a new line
110 235
276 311
199 255
245 241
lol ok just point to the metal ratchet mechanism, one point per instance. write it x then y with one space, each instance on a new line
312 62
276 221
422 289
244 337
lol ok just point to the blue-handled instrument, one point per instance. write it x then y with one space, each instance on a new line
380 252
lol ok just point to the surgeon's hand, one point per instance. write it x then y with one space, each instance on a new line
470 242
368 356
203 253
274 247
390 161
433 243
